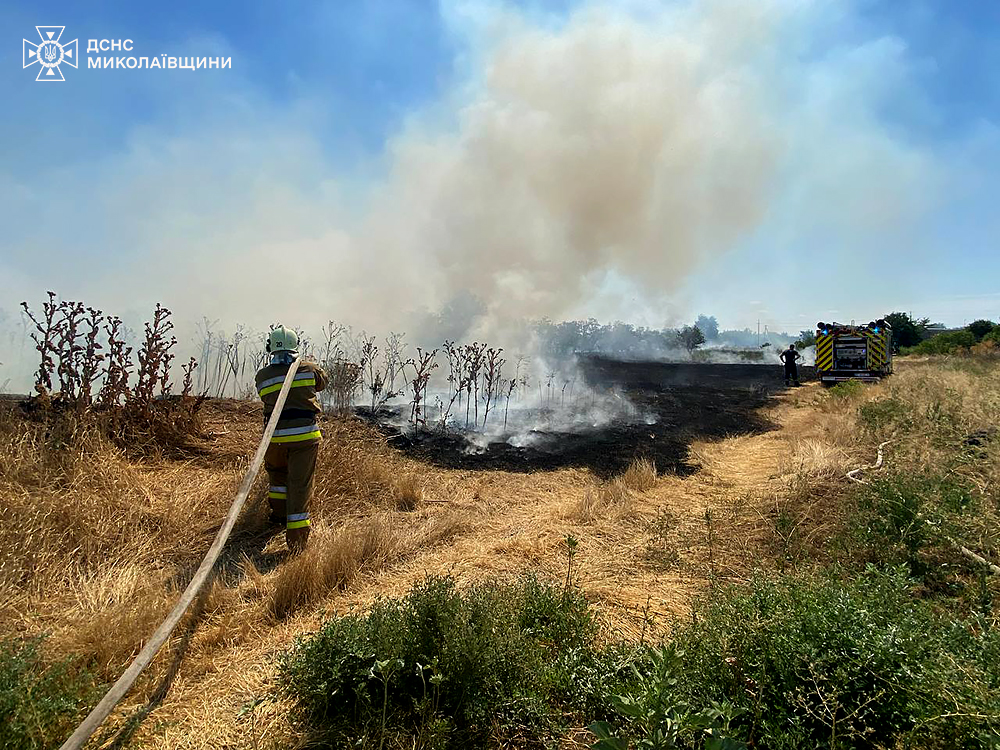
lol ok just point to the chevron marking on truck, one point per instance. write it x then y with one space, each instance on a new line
824 352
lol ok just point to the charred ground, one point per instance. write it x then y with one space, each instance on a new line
684 402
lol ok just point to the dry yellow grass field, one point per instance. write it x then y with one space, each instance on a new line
103 543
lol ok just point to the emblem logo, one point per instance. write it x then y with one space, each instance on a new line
50 54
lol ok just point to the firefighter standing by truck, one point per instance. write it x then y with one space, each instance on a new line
789 358
290 459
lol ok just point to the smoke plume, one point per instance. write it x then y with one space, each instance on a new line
604 150
591 165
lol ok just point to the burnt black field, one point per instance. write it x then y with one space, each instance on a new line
684 401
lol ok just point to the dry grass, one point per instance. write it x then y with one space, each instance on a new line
613 500
640 475
606 501
441 529
937 402
408 492
106 542
816 457
110 614
81 506
928 410
360 471
103 544
332 561
381 524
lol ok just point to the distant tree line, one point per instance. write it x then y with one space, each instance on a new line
626 340
920 335
980 336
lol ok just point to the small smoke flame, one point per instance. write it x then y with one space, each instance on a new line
548 401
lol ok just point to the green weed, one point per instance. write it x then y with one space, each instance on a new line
443 667
846 390
819 662
39 703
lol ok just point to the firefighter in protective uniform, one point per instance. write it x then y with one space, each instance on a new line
290 459
789 357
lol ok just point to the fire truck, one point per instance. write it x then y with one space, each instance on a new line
853 352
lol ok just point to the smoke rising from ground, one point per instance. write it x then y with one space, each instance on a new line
582 168
604 149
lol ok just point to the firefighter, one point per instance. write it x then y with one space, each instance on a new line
290 459
789 357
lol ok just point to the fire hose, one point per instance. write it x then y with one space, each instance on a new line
853 473
853 476
111 699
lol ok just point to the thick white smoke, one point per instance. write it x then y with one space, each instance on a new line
582 168
606 151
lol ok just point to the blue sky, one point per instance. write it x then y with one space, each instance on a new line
369 61
392 155
374 60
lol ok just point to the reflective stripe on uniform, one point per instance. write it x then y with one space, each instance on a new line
296 434
281 379
283 431
298 438
295 384
271 381
298 520
298 517
272 385
278 493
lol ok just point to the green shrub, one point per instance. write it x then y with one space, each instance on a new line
893 520
846 390
819 662
885 416
658 716
916 519
39 704
979 328
944 343
498 662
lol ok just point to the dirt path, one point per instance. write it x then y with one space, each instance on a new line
640 558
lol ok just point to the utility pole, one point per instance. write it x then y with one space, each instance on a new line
758 333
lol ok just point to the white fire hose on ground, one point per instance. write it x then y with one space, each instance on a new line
853 473
853 476
107 704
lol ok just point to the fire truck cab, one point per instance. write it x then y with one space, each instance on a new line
853 352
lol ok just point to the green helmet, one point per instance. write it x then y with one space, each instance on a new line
282 339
